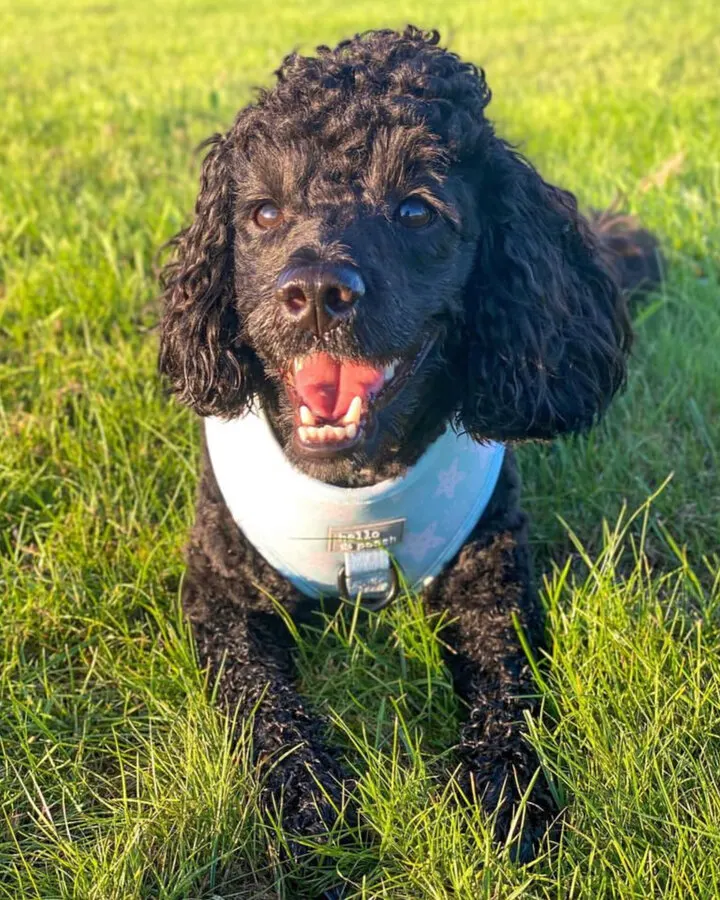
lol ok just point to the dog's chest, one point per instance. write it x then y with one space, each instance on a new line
329 540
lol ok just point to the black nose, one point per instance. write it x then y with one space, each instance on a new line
319 296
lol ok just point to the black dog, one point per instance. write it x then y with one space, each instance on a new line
372 270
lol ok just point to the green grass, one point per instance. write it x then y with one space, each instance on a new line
117 776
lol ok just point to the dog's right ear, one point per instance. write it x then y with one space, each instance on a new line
201 349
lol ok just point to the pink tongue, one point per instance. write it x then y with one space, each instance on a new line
327 386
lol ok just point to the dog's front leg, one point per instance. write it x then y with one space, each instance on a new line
486 593
245 643
255 679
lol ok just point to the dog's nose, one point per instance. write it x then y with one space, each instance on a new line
318 297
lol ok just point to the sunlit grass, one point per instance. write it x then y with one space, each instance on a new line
118 778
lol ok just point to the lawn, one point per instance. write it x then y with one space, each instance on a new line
118 778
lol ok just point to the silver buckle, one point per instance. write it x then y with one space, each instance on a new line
368 572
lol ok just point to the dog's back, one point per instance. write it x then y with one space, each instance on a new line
632 252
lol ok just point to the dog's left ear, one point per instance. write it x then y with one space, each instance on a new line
547 330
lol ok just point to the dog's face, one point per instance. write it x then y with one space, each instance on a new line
370 262
350 261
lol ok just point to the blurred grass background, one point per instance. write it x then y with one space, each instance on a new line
117 777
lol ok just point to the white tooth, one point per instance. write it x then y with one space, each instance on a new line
351 430
298 364
303 434
339 433
354 411
389 371
306 417
312 433
325 432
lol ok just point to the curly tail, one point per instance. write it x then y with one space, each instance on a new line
632 252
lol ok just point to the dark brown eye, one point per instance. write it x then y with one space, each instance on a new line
267 215
414 212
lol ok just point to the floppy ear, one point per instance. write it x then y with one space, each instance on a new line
547 327
201 352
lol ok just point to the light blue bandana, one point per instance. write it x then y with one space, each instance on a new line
330 540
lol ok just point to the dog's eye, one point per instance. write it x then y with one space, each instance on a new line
414 212
267 215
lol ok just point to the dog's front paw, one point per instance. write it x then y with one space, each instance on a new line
312 797
505 781
315 810
501 800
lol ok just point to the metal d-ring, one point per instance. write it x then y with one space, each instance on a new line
371 604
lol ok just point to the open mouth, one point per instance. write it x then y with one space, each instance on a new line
335 399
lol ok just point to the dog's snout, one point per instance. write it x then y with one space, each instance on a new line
318 297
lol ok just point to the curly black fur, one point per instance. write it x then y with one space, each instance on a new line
532 336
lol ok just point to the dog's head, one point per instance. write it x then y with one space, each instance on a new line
370 262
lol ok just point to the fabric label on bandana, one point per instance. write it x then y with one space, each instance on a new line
369 537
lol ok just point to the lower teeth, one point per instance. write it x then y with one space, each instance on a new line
309 434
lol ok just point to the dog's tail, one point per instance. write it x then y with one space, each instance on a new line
632 252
